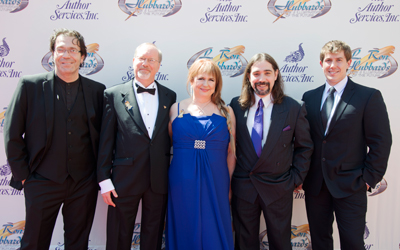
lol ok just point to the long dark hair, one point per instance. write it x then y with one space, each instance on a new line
247 98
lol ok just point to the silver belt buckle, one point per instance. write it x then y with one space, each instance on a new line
200 144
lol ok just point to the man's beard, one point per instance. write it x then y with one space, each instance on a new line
143 76
262 92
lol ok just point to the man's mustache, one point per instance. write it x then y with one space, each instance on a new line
262 83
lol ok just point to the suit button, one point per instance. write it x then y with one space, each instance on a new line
323 159
69 120
284 145
69 132
323 141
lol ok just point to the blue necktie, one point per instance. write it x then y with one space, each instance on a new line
257 132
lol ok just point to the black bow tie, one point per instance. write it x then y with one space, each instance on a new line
141 90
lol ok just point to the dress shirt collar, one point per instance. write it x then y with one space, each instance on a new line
266 100
339 87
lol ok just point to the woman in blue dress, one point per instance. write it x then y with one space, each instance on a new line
202 130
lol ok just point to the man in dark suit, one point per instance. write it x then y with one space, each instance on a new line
134 153
51 137
273 156
350 129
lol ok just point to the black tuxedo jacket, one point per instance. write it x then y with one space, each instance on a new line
29 122
285 157
127 155
356 148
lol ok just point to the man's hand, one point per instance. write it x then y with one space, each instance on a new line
107 197
368 186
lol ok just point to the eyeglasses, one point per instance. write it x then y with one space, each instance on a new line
149 60
61 51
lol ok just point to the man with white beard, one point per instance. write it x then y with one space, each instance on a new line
134 153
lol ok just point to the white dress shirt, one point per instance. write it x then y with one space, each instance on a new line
148 106
267 111
339 87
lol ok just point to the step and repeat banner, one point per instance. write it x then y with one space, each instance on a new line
230 32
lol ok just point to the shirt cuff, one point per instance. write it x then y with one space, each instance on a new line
106 186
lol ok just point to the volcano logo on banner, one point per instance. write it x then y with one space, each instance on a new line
298 8
13 6
164 8
230 61
93 62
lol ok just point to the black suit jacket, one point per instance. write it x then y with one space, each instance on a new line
285 157
356 148
30 118
127 155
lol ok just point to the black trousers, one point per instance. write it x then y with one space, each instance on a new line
43 199
350 217
121 221
278 218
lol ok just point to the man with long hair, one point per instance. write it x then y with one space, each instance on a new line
274 148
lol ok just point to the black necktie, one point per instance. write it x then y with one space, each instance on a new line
141 90
327 107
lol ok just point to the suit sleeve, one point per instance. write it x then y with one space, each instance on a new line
303 147
14 129
378 139
107 139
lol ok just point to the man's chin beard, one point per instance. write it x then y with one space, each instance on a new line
264 92
143 76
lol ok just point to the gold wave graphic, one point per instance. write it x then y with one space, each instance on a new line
237 50
385 51
2 115
20 225
92 48
296 3
300 229
137 8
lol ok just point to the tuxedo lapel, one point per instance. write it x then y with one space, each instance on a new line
131 107
344 100
163 109
48 94
278 119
